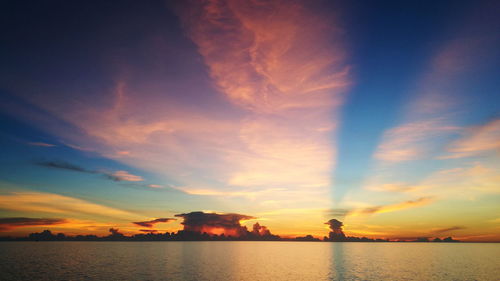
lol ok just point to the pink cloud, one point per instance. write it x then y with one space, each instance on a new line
477 140
44 144
125 176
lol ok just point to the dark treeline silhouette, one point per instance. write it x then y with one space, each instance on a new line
337 235
115 235
200 226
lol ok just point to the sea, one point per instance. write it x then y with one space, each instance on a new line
238 260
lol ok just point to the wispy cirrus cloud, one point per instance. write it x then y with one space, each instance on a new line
282 68
272 116
468 181
431 114
429 123
411 141
476 140
277 57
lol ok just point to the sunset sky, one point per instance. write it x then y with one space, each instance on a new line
382 114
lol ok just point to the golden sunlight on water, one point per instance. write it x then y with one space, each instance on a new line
248 261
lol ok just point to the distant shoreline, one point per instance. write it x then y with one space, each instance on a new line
292 240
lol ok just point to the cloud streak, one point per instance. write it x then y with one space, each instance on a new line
114 176
65 166
123 176
422 201
11 223
40 202
43 144
412 140
151 223
448 229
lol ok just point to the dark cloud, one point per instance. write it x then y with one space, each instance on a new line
64 166
112 177
149 230
9 223
338 212
448 229
260 230
118 176
213 223
115 231
335 225
336 233
151 223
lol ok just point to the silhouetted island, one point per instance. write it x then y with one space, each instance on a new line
200 226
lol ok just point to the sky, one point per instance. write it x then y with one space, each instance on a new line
382 114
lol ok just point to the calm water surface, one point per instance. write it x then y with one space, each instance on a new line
247 261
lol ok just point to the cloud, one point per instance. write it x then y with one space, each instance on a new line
394 207
44 144
393 187
10 223
335 225
338 212
474 179
151 223
336 233
65 166
114 176
39 202
448 229
266 120
422 201
280 56
260 230
148 230
115 232
476 141
428 117
213 223
123 176
411 141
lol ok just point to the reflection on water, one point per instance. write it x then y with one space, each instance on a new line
247 261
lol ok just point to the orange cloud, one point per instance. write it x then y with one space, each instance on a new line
39 202
151 223
392 207
11 223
